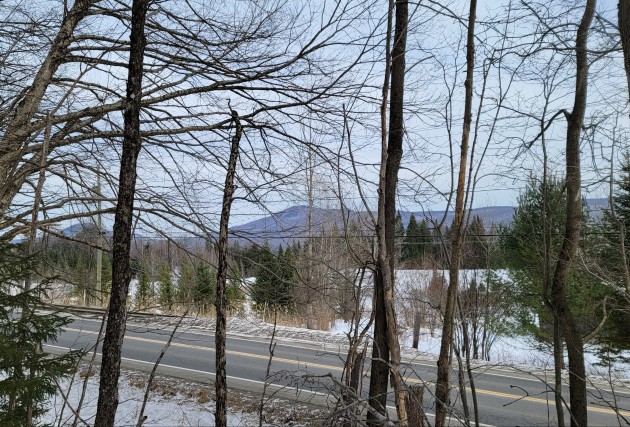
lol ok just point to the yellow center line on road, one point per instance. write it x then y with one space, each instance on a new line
232 352
513 397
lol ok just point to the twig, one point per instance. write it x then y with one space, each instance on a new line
141 417
272 348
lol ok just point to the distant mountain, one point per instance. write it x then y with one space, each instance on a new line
292 223
489 215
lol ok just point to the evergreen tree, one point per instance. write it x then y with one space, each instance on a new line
417 243
476 249
166 287
425 241
185 282
143 293
205 286
614 227
271 287
522 245
411 242
287 275
28 375
234 294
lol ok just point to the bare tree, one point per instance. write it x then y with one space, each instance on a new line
624 33
121 271
386 350
562 310
220 416
18 115
459 226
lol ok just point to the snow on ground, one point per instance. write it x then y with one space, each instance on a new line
521 353
172 402
184 403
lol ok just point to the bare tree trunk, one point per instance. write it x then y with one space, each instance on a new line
468 367
624 32
462 386
416 328
16 138
558 355
414 406
562 310
121 271
379 371
386 230
444 369
220 415
558 365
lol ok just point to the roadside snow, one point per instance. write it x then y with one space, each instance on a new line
171 403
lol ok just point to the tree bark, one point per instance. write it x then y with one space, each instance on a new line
379 371
387 349
394 156
220 415
416 327
624 32
444 360
562 310
121 271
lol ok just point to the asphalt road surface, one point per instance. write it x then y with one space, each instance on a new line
505 398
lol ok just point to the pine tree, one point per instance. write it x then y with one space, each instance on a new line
615 224
522 247
143 294
287 275
270 288
166 287
185 282
476 249
424 241
28 375
411 242
205 286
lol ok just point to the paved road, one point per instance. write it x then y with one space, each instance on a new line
505 398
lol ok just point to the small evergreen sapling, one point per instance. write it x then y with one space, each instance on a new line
28 375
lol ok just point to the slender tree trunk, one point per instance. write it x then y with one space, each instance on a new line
220 416
379 371
462 386
624 32
416 327
394 156
469 372
442 401
121 271
389 348
558 365
562 310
